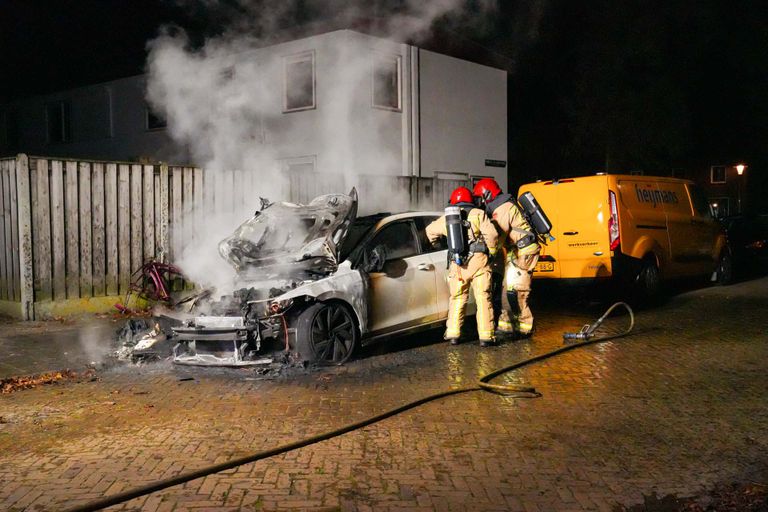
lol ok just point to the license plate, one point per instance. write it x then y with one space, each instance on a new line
544 266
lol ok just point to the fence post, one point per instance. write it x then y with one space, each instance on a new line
25 237
164 211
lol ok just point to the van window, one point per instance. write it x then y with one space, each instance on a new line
699 200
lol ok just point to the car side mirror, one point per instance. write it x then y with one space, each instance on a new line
374 260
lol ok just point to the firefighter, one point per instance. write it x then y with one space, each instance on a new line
517 254
472 239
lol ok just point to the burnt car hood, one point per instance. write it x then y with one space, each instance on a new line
292 240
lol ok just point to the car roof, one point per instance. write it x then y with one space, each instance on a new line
410 215
404 216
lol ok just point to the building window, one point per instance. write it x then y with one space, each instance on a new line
386 83
57 116
717 174
299 82
154 121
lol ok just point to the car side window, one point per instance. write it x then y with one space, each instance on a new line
398 239
700 203
421 229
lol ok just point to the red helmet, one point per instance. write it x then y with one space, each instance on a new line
487 189
461 195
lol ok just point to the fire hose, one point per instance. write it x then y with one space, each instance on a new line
606 328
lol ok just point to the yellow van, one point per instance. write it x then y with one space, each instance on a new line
640 229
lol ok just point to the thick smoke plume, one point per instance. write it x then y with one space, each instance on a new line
223 101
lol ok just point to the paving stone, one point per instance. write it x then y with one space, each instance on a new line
675 408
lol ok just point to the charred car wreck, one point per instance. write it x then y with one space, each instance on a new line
315 281
284 248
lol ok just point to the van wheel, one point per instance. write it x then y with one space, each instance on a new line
724 269
648 283
326 333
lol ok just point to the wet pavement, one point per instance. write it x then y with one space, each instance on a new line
36 347
676 408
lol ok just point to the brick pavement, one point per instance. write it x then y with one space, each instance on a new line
676 409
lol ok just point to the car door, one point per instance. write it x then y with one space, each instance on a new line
439 258
402 294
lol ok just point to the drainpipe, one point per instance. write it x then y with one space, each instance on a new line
415 112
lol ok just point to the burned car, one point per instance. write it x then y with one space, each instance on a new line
316 281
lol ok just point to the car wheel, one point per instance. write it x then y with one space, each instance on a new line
724 269
648 283
326 333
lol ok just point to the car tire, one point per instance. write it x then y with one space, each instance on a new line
648 283
724 269
326 333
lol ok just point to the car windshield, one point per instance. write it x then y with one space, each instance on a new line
358 231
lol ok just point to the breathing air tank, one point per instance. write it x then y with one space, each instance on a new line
538 219
457 234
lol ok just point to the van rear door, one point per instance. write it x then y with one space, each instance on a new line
579 211
584 239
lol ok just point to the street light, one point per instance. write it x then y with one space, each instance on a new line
740 171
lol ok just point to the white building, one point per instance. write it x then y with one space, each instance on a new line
412 113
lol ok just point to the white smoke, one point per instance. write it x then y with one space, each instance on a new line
93 344
223 100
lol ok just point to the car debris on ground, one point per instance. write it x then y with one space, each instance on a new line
144 339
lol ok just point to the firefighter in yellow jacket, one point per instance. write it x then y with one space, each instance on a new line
516 258
472 239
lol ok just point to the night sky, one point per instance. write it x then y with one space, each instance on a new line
644 84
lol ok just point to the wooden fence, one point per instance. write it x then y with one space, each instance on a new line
74 230
10 270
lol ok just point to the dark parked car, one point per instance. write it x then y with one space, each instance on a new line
748 240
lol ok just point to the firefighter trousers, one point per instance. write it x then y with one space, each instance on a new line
515 313
477 275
